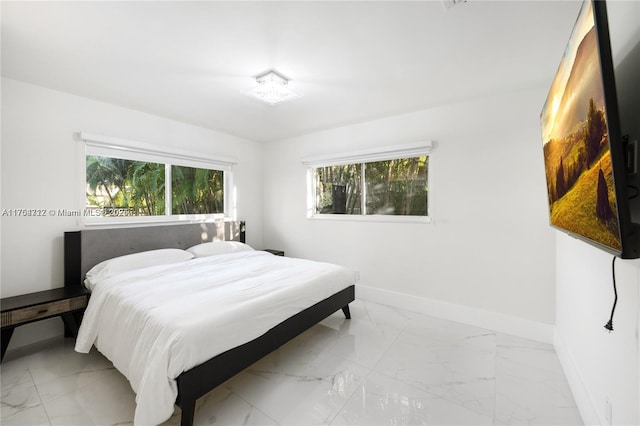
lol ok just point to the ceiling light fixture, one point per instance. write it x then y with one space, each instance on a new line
272 88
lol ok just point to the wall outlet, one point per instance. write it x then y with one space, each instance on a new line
608 411
357 276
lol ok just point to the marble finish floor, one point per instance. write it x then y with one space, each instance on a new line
383 367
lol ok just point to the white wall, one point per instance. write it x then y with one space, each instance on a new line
599 365
40 170
489 247
603 368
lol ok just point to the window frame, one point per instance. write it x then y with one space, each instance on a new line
105 146
394 152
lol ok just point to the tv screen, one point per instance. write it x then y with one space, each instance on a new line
583 152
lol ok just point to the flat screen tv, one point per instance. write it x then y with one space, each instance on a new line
584 153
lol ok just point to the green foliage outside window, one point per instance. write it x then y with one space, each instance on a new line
338 189
137 186
114 184
397 187
196 191
392 187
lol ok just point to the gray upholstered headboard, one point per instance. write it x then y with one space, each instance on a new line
86 248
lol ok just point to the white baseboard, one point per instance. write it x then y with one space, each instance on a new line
579 390
495 321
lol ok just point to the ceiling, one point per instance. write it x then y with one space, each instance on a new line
351 61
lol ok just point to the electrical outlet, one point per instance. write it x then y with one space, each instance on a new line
608 411
357 276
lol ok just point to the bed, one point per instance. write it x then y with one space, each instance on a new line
87 248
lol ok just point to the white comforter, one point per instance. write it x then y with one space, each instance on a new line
154 323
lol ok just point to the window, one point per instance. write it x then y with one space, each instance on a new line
129 181
119 187
384 184
338 189
196 191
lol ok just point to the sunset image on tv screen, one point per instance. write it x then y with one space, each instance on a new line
576 142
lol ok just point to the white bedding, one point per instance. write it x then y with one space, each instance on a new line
154 323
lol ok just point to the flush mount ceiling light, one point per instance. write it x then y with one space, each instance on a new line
272 88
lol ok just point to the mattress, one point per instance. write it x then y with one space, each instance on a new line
155 323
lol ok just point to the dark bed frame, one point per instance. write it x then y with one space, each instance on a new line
86 248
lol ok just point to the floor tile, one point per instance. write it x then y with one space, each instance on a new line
60 360
28 416
223 407
14 372
17 399
457 365
363 342
381 400
531 387
381 315
295 390
385 366
107 401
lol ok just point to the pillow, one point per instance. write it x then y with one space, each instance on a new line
133 261
218 247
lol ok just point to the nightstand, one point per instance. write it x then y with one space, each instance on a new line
275 252
66 302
